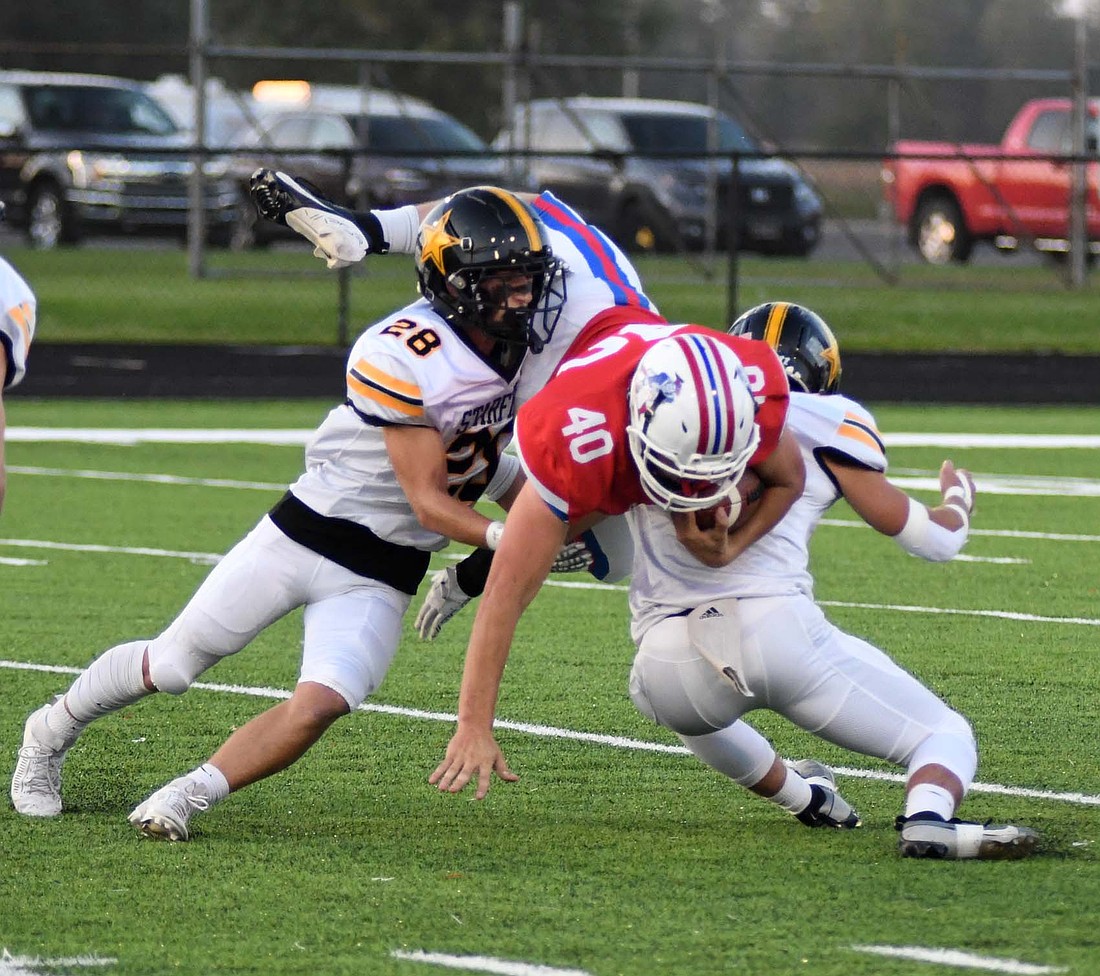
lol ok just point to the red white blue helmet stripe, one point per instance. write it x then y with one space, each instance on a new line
712 391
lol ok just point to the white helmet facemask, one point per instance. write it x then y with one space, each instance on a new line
692 427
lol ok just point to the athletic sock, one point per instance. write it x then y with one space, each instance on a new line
795 793
211 782
929 798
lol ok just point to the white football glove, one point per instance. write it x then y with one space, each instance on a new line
445 598
573 558
337 240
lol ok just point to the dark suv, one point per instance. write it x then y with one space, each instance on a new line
84 151
369 149
587 151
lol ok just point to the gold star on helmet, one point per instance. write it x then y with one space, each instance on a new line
436 241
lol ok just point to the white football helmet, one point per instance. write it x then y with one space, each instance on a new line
692 427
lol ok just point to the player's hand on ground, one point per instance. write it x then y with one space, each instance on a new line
471 756
957 487
445 598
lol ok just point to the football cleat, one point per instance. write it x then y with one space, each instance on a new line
929 835
36 782
166 813
827 808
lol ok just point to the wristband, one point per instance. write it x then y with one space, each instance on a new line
399 227
493 534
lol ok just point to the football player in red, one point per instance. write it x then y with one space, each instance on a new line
639 413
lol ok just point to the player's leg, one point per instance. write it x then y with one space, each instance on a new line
352 629
676 684
253 585
851 693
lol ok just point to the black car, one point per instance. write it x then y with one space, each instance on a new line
79 152
591 152
369 149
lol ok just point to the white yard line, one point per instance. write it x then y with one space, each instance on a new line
209 558
37 966
593 738
960 959
485 964
293 437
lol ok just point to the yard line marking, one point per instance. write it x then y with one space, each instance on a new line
594 738
23 562
992 533
154 435
209 558
960 959
202 557
485 964
297 437
990 484
164 479
999 614
34 965
1005 484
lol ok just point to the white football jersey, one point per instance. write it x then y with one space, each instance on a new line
413 368
667 579
17 311
410 368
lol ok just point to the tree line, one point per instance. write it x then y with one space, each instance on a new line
148 39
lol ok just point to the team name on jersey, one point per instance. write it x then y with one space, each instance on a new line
495 411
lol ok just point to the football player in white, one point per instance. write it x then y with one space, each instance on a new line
391 476
715 644
17 317
598 277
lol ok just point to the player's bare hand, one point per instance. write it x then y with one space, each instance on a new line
709 545
471 756
957 486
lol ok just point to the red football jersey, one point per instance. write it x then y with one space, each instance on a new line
571 436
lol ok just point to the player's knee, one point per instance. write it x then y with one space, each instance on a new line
174 671
317 706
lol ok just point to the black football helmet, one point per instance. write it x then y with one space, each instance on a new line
805 344
468 248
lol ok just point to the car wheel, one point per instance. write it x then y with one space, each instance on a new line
48 219
940 233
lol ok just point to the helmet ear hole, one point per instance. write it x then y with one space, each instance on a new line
801 338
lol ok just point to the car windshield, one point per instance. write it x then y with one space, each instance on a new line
79 108
659 133
407 133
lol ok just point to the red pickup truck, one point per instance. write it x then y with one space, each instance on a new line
951 196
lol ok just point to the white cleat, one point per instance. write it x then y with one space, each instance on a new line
36 782
166 813
827 807
927 835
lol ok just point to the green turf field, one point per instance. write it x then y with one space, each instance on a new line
287 297
607 858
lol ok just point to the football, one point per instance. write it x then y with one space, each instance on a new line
706 518
749 488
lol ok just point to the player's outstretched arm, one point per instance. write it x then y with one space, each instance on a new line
532 537
933 533
339 235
